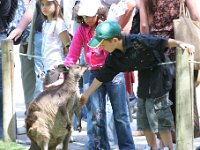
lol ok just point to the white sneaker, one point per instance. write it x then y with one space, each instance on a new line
72 139
165 148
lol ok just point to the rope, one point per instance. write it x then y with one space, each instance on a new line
34 56
42 58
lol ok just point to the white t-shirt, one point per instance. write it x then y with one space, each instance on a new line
117 9
31 5
108 3
52 47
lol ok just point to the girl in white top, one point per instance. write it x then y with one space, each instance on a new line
55 34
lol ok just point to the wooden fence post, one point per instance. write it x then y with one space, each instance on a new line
184 102
9 121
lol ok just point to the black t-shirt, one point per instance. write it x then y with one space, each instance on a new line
7 12
5 7
142 53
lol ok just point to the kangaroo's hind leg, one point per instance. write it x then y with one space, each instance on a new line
66 140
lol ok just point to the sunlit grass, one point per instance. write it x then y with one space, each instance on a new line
11 146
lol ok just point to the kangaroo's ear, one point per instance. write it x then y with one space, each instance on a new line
66 70
67 67
61 68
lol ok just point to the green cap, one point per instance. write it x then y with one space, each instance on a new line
105 30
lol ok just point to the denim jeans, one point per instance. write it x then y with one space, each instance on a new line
96 128
2 36
110 125
38 64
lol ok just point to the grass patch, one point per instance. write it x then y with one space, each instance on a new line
11 146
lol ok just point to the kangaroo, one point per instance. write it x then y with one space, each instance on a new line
48 121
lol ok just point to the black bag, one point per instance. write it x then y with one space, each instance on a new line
135 28
7 11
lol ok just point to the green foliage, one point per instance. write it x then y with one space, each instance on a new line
11 146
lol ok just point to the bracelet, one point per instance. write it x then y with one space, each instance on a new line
67 45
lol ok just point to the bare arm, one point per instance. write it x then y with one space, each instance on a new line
26 19
123 20
193 9
54 84
144 25
175 43
92 88
65 38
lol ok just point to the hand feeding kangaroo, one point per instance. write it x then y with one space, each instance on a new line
48 121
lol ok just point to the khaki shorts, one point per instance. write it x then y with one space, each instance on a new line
155 114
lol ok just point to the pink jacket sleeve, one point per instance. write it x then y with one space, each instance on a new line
74 49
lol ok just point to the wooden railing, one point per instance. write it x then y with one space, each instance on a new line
9 120
184 97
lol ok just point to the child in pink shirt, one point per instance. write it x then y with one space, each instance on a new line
89 15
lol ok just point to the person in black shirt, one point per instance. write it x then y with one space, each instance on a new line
144 53
129 52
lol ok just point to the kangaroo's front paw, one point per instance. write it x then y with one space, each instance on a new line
69 127
79 128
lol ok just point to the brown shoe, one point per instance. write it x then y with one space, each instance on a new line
137 133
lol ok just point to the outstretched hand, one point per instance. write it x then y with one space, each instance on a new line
92 88
15 34
83 99
55 84
190 48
